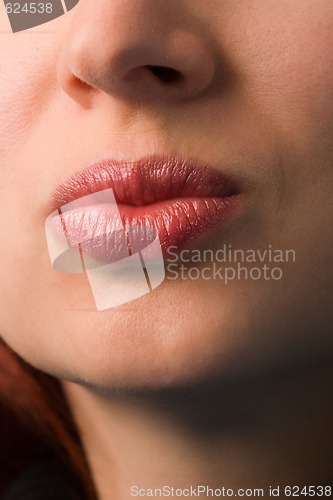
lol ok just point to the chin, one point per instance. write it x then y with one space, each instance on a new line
178 335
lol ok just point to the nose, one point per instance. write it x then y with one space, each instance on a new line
136 49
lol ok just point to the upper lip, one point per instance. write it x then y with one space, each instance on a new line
147 181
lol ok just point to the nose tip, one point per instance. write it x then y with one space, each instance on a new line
135 55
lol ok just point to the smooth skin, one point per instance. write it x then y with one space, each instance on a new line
255 100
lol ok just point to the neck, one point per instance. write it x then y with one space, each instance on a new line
237 435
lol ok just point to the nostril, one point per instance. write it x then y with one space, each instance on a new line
165 74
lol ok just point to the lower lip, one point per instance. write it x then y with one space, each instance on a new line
177 222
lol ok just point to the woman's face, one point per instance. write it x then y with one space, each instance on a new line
254 100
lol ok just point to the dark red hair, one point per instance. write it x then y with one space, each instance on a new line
35 417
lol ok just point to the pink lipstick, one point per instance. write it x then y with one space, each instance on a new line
179 199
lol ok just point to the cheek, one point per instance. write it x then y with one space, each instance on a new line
20 94
26 84
284 53
28 61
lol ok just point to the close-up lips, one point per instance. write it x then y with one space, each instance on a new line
179 199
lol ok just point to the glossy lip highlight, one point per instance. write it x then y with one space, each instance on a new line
147 181
178 198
